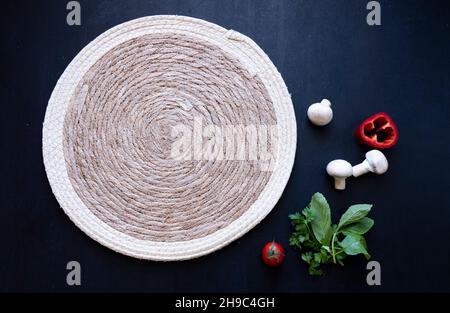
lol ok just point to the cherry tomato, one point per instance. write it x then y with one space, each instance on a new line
272 254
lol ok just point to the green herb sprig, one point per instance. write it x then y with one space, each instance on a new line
320 242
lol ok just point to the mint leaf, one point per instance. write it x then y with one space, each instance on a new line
329 234
321 215
354 244
313 259
302 228
296 217
307 257
340 257
294 241
353 214
314 271
308 213
359 227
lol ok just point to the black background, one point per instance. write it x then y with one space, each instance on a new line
323 49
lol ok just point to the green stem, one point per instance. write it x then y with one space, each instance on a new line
310 231
332 248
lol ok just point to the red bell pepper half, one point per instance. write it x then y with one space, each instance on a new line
378 131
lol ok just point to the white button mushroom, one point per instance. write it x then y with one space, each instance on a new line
340 170
320 114
375 162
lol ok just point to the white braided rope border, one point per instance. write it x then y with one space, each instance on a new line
251 57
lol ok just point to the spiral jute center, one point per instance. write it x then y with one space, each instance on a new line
119 137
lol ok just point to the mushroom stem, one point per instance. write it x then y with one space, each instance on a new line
339 183
339 170
361 169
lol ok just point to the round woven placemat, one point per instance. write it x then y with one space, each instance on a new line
139 94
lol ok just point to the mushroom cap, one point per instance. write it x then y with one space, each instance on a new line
320 113
325 102
339 168
377 160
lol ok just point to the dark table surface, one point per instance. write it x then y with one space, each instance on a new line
323 49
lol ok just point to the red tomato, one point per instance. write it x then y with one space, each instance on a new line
272 254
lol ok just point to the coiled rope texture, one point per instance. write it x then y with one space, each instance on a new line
107 137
